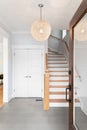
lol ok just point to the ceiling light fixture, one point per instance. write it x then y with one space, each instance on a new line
40 29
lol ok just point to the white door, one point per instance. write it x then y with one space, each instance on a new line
34 71
20 73
28 73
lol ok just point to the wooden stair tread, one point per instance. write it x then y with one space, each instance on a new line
58 93
77 100
57 100
59 75
58 71
58 80
58 63
60 86
58 67
56 60
51 54
56 56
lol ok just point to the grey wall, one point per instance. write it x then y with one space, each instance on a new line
57 33
54 43
66 52
58 45
66 38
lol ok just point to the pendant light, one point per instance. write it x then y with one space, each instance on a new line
40 29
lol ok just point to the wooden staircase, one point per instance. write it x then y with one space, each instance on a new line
58 79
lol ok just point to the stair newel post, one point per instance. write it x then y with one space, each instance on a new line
46 86
46 90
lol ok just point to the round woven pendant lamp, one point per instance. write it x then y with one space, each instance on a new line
40 29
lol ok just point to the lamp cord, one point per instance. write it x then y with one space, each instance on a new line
40 13
40 5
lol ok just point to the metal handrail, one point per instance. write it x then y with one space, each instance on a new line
62 41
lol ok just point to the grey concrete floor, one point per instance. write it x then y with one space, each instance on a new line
81 119
27 114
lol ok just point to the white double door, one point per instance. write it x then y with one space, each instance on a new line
28 73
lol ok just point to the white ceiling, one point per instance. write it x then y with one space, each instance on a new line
18 15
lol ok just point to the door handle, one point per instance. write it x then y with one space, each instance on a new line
29 76
69 88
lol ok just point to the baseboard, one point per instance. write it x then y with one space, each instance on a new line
8 99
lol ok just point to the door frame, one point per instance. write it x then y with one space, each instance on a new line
76 18
28 48
6 96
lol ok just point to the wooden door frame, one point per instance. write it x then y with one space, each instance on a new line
76 18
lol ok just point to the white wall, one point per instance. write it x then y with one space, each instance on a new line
81 64
5 36
25 40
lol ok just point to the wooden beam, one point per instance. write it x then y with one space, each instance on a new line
82 10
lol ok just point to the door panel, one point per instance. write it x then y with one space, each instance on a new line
20 73
35 72
35 89
28 76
